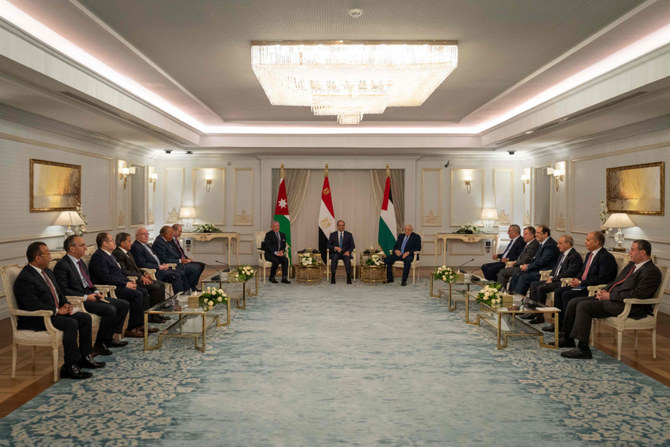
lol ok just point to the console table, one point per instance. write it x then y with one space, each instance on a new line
206 237
467 238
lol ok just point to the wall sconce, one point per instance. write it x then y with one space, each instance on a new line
558 174
208 182
468 183
525 180
619 220
124 173
153 177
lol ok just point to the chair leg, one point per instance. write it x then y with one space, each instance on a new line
593 330
653 343
55 362
635 340
618 345
14 355
34 354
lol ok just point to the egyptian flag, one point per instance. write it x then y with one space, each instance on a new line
281 215
326 218
387 222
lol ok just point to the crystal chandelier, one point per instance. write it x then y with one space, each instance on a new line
352 79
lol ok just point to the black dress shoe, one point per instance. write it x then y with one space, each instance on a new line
101 350
527 316
548 328
348 280
285 281
566 342
273 280
332 280
388 281
577 353
73 372
166 317
539 319
116 344
404 283
88 362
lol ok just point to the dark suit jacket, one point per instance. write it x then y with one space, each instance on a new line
347 241
142 258
69 281
516 249
641 284
176 245
270 242
545 257
104 270
413 244
528 253
33 293
127 262
602 270
166 252
571 266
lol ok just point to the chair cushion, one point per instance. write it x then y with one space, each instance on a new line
34 337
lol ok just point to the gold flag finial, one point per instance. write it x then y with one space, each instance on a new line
325 171
388 170
281 171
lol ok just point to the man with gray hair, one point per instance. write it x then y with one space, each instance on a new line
274 246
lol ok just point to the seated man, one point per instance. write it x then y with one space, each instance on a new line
146 258
639 279
544 258
341 245
155 289
177 229
73 278
511 253
274 246
567 266
169 255
526 256
105 270
36 288
408 242
599 267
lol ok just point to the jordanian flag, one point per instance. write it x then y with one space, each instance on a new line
387 223
326 218
281 215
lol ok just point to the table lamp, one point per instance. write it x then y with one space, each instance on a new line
619 220
489 215
68 219
187 214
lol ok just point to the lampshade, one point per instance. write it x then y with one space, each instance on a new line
489 214
187 212
619 220
69 218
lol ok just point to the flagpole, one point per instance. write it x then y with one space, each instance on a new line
281 170
388 170
325 171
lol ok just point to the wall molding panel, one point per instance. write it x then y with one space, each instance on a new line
431 197
243 196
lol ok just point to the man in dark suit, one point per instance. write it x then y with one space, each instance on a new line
74 280
146 258
36 288
341 245
124 257
526 256
511 253
544 258
599 267
105 270
274 246
639 279
408 242
177 229
567 266
168 254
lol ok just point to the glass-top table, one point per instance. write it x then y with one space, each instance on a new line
235 289
457 291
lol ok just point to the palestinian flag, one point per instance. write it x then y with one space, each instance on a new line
326 218
281 215
387 222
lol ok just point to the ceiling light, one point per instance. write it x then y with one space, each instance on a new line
352 79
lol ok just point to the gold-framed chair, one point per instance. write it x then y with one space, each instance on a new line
416 262
152 274
259 237
51 337
340 262
623 322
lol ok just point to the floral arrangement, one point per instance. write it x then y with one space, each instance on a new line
244 272
375 259
467 229
309 259
490 295
211 297
206 228
444 273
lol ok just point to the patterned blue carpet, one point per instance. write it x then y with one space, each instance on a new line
348 365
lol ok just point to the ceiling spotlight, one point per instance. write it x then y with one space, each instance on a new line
355 13
189 152
168 151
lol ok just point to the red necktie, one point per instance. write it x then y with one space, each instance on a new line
51 287
630 272
85 275
588 266
179 247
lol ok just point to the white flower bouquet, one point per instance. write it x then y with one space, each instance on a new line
308 260
467 229
206 228
444 273
490 295
244 272
211 297
375 259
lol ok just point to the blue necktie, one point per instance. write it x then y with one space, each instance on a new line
404 242
278 242
340 240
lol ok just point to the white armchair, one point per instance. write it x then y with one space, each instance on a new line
622 322
52 337
354 264
416 262
259 237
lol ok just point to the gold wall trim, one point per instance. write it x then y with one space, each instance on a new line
451 192
424 221
223 188
166 211
237 221
510 211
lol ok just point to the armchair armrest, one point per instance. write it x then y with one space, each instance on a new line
640 301
46 314
132 278
544 274
106 289
593 289
151 272
509 264
172 265
565 281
